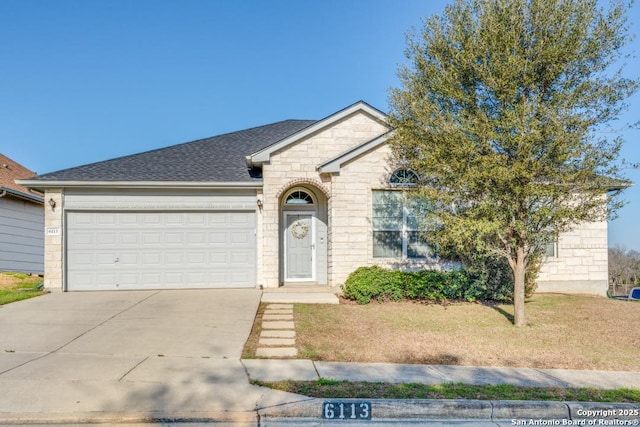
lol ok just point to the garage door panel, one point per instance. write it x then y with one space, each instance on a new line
83 238
104 219
129 238
151 219
150 239
128 220
105 238
159 250
151 278
128 259
82 259
242 238
104 280
239 258
196 259
152 259
174 258
196 239
219 238
173 238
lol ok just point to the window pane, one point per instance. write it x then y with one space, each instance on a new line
387 244
417 246
299 198
550 250
387 210
417 210
404 177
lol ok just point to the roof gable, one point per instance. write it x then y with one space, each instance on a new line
334 165
264 155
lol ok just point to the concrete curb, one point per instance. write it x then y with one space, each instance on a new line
480 411
220 418
384 411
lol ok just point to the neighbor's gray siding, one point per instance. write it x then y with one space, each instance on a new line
21 236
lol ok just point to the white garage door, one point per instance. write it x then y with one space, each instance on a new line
160 250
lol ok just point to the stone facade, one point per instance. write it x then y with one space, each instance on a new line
296 166
53 244
580 264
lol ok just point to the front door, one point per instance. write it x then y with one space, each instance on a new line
299 246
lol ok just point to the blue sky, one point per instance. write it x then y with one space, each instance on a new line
84 81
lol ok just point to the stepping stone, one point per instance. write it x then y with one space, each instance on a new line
277 317
278 325
280 306
277 334
278 311
277 342
277 352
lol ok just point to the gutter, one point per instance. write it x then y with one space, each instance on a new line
8 191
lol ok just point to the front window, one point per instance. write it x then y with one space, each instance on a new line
396 231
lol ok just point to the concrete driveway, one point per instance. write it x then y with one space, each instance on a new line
127 354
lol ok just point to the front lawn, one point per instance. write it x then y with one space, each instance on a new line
570 332
19 286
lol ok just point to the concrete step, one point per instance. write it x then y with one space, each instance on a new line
301 288
300 297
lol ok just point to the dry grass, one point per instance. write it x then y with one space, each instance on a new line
18 286
572 332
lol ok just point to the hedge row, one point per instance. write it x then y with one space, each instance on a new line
379 284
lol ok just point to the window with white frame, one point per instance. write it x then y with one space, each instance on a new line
396 231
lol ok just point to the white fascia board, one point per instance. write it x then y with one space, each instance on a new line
264 155
334 165
139 184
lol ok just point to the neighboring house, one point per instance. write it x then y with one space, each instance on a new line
21 221
296 202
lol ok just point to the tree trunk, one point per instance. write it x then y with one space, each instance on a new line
519 269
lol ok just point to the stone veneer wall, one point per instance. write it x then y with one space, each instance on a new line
53 250
299 162
351 229
581 262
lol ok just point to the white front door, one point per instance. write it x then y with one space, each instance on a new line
299 246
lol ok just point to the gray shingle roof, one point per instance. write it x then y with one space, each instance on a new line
216 159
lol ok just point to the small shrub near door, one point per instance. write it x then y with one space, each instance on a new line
368 284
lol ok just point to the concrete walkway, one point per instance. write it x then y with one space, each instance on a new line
307 370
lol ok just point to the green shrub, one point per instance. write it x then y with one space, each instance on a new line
375 283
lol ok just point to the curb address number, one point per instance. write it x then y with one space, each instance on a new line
347 411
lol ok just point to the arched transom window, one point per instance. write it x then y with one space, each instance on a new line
299 197
404 177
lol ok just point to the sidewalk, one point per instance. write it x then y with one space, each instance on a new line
307 370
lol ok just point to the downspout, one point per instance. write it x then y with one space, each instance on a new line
4 193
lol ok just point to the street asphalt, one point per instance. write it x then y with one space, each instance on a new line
174 358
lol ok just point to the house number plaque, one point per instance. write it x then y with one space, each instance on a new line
346 410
